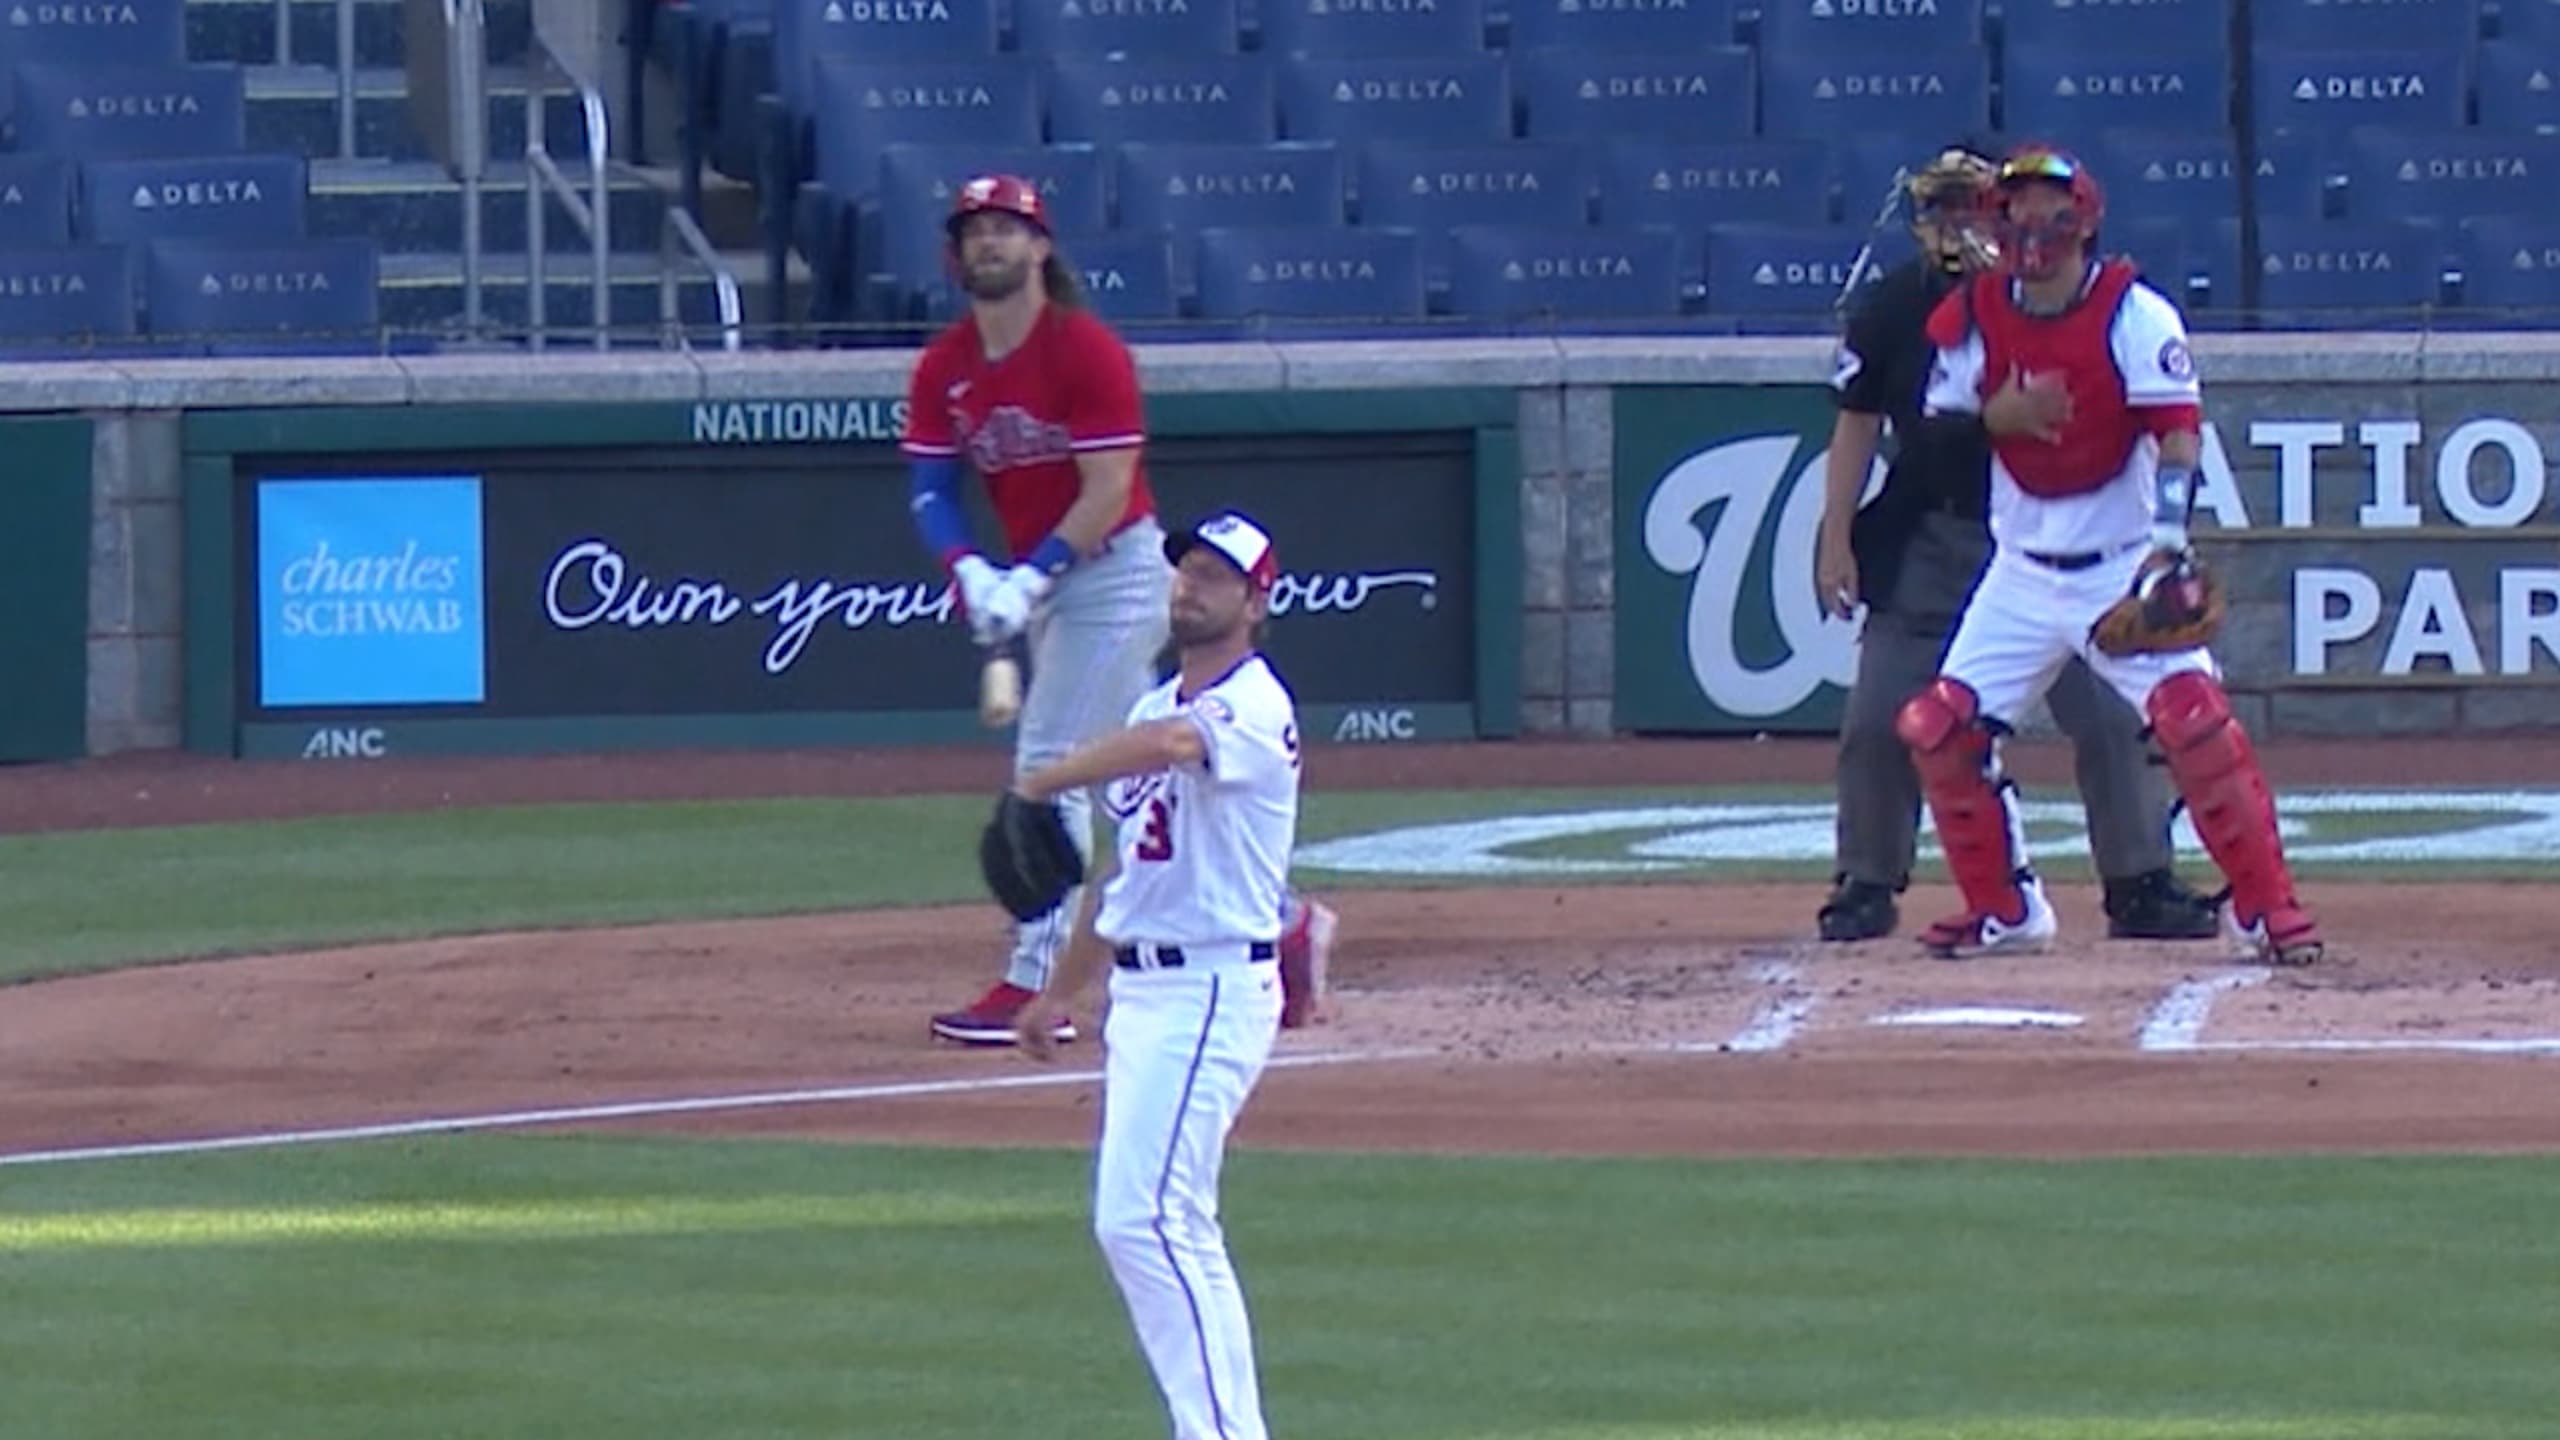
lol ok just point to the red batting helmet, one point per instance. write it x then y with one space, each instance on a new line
2035 250
1008 194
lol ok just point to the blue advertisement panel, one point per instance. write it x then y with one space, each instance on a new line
370 591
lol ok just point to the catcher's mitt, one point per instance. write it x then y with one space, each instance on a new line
1029 859
2174 604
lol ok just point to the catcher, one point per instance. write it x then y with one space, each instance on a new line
2090 556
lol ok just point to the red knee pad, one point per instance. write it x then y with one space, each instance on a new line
1951 749
2217 773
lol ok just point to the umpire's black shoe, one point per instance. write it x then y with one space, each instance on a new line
1858 910
2155 906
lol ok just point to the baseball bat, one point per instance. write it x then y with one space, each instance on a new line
999 688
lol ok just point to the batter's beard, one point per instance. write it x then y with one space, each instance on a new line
1000 282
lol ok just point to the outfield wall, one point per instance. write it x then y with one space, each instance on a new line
2383 503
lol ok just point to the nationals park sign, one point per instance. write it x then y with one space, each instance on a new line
2378 551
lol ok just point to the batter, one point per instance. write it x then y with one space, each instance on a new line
1203 789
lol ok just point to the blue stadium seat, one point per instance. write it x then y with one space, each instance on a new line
1871 166
2534 20
1795 272
1622 29
62 301
211 197
1431 188
1128 274
2325 25
1925 94
1862 27
104 112
2330 91
2511 264
1454 100
125 32
35 201
1067 28
265 291
2057 91
902 242
1509 272
2159 248
2520 86
1204 99
2336 273
1702 94
2449 174
2215 256
2166 27
876 32
2192 177
1308 274
1691 185
1315 27
1197 187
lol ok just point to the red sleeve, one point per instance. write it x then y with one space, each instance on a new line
1104 410
928 434
2181 418
1952 320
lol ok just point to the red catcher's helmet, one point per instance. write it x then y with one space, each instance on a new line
2035 251
1008 194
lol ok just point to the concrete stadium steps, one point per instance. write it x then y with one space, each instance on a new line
294 110
412 206
423 291
244 31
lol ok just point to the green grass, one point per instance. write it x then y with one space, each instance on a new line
78 901
609 1288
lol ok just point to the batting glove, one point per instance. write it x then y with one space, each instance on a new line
1010 605
978 582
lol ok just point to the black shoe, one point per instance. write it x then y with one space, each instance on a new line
2155 906
1858 910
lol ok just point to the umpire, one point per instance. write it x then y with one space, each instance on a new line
1914 554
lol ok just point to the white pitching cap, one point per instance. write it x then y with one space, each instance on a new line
1241 541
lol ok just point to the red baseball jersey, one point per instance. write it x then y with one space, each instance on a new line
1069 387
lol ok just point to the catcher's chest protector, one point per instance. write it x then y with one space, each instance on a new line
2079 345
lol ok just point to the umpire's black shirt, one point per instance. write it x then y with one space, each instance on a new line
1883 369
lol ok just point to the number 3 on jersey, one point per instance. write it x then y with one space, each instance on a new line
1155 841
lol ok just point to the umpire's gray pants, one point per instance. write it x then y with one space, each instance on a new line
1899 651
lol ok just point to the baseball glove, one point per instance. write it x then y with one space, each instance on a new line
2174 604
1029 860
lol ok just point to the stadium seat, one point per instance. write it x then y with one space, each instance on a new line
1509 272
2166 27
35 201
2534 20
1309 274
1066 28
1924 94
214 197
901 240
1203 99
107 112
1691 185
2520 86
2340 273
1315 27
1196 187
1128 274
1839 28
2196 177
2450 174
808 32
62 301
2057 91
1431 188
1792 272
1454 100
128 32
2330 91
1621 29
234 294
2407 25
2511 264
1704 94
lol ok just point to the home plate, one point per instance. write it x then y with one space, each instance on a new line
1990 1015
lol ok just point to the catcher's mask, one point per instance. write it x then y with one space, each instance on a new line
1947 216
2040 237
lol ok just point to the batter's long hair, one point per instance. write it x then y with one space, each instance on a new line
1059 280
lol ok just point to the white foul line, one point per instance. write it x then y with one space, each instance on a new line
635 1109
2178 1021
2530 1045
1777 1020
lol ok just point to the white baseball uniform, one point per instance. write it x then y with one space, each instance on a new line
2026 616
1193 916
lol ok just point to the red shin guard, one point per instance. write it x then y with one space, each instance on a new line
2226 793
1951 750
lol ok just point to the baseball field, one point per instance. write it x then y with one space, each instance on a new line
590 1097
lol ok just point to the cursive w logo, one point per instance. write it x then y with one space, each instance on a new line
1708 517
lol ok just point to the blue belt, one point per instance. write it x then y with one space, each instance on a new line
1170 957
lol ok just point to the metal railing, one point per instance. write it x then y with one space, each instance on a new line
680 229
592 212
346 65
467 83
